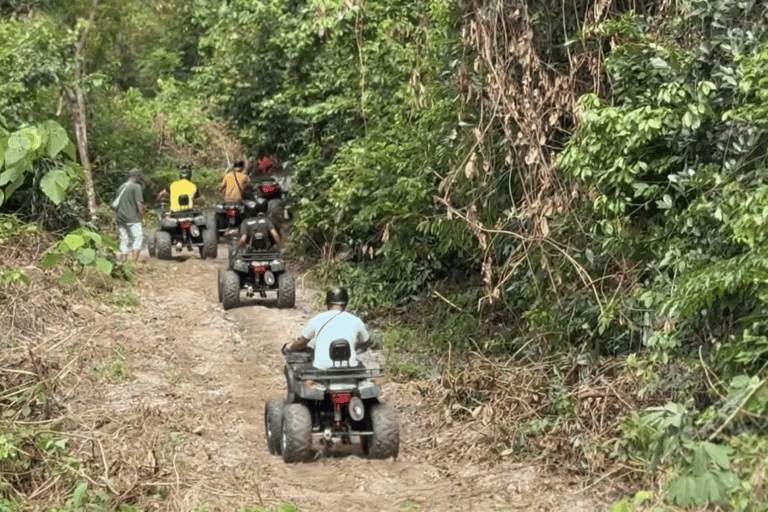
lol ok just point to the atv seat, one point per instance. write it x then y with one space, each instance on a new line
340 353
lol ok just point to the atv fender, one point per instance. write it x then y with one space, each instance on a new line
289 381
369 390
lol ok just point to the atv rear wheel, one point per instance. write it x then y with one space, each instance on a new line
163 248
275 211
151 244
296 441
286 290
230 290
209 249
385 441
273 424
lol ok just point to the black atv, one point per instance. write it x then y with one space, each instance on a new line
257 269
275 192
229 216
326 407
183 230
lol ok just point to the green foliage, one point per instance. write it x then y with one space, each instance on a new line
83 248
11 276
114 368
35 54
668 435
630 504
360 97
23 148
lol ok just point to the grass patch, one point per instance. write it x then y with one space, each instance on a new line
114 369
123 298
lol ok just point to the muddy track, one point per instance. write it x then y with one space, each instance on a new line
191 416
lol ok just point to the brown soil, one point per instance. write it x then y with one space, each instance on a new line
183 430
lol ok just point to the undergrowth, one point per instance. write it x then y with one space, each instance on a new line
40 463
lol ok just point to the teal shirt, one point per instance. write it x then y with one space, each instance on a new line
128 207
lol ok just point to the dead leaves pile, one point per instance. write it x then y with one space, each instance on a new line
489 412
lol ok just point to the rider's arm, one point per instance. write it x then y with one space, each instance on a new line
363 341
275 235
297 345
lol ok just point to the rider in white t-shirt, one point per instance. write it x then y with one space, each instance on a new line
332 325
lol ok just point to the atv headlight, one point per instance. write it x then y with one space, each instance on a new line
269 278
240 266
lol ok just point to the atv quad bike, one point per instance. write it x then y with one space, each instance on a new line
229 216
273 191
326 407
186 229
257 269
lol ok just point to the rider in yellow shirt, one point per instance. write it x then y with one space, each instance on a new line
182 192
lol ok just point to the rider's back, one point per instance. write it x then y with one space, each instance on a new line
182 193
329 326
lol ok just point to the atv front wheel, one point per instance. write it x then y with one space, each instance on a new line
209 249
230 291
385 441
273 424
296 441
163 248
286 291
151 244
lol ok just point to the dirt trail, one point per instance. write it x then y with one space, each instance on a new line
190 414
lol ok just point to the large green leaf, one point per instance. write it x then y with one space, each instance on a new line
3 146
57 137
9 174
104 265
50 260
68 277
86 256
73 242
69 149
18 146
718 454
55 185
18 180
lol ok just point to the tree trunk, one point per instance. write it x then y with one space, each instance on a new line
80 113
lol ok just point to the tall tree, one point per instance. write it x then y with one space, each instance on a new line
77 101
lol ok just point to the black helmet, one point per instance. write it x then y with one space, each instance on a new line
337 296
186 172
239 164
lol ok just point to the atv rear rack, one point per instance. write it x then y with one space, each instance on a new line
260 256
333 374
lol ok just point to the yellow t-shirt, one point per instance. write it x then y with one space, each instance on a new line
179 189
232 192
